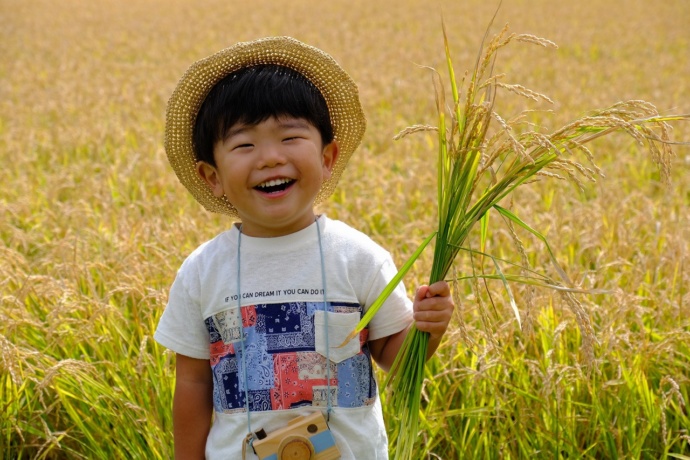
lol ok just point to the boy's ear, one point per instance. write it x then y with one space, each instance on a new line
330 154
210 175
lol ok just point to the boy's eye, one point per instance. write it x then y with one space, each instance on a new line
242 146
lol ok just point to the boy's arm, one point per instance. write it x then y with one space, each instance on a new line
192 407
433 308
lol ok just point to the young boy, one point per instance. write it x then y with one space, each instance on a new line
261 132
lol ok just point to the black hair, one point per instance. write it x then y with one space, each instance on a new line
254 94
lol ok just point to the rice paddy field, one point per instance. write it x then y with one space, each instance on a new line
93 223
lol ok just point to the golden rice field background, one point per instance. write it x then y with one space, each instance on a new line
93 223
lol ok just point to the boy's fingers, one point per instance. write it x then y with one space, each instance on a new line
433 298
431 316
422 293
434 309
433 305
439 288
433 327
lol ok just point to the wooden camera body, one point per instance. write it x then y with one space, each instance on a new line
304 438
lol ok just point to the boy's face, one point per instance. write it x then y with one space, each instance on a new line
271 172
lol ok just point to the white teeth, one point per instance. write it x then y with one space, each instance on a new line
273 183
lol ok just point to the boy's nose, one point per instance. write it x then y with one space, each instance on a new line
271 156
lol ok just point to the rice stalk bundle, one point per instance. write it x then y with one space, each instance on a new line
479 167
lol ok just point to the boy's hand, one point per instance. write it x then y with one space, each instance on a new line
433 308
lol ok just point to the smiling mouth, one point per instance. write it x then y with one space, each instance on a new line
275 185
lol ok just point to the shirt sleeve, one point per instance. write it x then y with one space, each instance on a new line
182 328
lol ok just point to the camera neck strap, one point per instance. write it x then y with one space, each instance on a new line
329 405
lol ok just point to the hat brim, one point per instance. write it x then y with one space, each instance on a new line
336 86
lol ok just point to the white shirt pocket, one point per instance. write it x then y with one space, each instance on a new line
339 327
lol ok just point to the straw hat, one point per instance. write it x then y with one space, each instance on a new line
336 86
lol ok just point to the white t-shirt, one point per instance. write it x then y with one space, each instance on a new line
281 287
